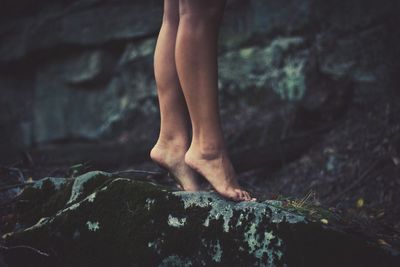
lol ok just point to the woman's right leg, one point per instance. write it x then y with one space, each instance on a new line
196 61
173 141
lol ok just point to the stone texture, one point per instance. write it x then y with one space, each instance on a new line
85 67
102 220
270 68
87 22
90 92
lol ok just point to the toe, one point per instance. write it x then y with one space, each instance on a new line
240 194
247 195
234 195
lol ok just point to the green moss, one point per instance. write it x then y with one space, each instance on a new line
306 208
86 183
120 222
41 200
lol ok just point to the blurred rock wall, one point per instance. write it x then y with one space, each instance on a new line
82 70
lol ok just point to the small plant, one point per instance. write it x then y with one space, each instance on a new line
309 206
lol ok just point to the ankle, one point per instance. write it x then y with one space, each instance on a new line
208 150
173 142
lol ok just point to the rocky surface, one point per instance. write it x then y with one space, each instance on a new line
100 219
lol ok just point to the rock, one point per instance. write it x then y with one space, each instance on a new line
80 23
82 70
270 68
16 102
92 95
102 220
245 19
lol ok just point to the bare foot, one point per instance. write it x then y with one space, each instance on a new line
172 157
218 170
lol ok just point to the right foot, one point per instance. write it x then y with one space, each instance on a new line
218 170
171 156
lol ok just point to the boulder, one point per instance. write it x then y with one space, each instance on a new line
82 70
101 219
93 94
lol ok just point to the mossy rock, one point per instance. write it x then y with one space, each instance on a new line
109 221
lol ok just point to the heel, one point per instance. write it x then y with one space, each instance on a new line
169 174
162 168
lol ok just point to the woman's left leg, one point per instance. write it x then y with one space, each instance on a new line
173 141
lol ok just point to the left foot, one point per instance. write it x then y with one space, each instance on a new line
171 155
218 170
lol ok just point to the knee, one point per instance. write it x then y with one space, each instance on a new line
197 11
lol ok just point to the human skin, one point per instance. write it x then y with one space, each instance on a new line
186 73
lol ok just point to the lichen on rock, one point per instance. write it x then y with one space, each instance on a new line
80 181
119 222
56 181
176 222
93 226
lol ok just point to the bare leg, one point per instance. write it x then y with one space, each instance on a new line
196 61
173 141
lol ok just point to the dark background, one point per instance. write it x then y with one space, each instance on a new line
309 95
